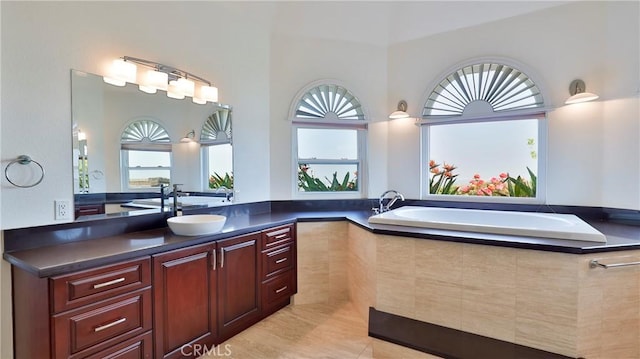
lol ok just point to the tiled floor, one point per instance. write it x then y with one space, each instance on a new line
312 331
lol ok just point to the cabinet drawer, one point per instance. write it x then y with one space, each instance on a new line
278 290
140 347
277 236
81 288
277 261
83 331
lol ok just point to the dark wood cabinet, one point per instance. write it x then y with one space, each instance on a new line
84 314
170 305
278 269
89 209
238 284
185 302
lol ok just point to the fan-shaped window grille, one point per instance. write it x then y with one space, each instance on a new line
145 131
331 102
145 155
483 88
217 127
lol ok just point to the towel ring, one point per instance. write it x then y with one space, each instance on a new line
24 160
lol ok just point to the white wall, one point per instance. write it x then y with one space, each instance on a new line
593 150
297 62
224 42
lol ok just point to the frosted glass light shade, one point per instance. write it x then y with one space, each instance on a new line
121 72
581 97
187 87
156 79
199 101
174 91
398 114
209 93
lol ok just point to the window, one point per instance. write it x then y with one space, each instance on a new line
217 153
145 150
484 136
329 132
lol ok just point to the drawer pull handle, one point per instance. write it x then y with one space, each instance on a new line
215 259
111 282
281 289
107 326
281 260
280 236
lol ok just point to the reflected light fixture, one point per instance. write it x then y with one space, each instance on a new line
177 83
578 94
189 137
401 112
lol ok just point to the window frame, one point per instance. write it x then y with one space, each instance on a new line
143 134
124 160
204 155
360 125
359 162
539 112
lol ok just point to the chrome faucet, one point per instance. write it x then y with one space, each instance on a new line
228 192
386 207
176 192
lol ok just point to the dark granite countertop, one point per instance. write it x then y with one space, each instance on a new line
64 257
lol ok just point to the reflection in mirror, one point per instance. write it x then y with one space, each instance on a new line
215 138
113 126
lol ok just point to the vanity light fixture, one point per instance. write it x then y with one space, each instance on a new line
578 94
177 83
401 112
189 137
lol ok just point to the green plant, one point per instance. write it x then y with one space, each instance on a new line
309 183
519 187
442 181
217 181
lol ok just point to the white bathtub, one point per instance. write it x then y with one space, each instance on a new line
546 225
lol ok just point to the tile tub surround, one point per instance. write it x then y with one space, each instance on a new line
552 302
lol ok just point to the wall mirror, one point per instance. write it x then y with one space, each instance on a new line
127 142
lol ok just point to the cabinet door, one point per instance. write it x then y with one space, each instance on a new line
184 283
238 289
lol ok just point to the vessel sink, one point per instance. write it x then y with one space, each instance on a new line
196 224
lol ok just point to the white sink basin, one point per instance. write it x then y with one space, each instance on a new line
196 224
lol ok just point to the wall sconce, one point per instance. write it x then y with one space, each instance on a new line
401 112
177 83
578 94
189 137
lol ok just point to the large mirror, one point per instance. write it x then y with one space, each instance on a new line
127 143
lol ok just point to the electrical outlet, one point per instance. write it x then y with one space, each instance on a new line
63 209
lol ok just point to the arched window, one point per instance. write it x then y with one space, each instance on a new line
329 134
484 136
145 149
217 152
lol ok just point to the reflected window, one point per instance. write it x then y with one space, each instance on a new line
329 132
484 132
145 149
217 150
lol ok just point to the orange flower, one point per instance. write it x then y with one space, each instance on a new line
503 175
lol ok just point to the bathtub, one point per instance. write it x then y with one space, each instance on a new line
531 224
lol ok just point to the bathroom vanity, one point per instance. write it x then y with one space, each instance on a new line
162 303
